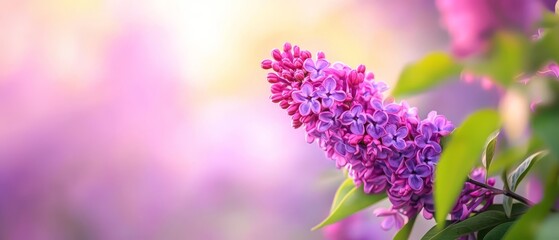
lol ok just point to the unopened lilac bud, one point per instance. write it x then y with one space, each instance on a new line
277 67
287 63
299 75
305 54
296 51
361 68
287 47
287 74
276 54
277 88
298 63
276 98
291 110
273 78
321 55
266 64
284 104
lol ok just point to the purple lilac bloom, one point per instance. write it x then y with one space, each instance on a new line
384 145
307 98
329 94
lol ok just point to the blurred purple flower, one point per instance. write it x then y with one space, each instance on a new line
392 218
471 23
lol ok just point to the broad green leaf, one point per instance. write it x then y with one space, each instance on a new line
487 219
517 208
527 226
511 183
498 232
343 189
520 172
459 157
506 59
354 201
506 159
404 233
549 228
430 71
489 150
544 50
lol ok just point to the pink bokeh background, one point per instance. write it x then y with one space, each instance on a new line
151 119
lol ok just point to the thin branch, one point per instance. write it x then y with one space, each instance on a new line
504 192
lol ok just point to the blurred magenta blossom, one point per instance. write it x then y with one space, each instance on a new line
471 23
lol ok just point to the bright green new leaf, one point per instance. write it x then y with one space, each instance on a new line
498 232
527 226
353 201
549 229
506 159
343 189
404 233
517 175
430 71
489 150
459 157
520 172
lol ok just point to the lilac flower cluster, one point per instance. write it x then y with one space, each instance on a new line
384 145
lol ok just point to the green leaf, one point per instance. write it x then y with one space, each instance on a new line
489 150
520 172
506 159
514 179
354 201
506 59
484 220
342 191
527 226
405 232
549 229
460 157
430 71
498 232
507 201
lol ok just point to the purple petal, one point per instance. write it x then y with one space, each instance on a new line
298 97
349 148
340 148
324 126
356 109
410 164
377 104
400 144
391 129
305 109
357 128
327 102
309 65
338 96
387 223
392 108
402 132
329 84
415 182
399 221
321 64
380 117
420 141
422 170
427 130
307 89
317 75
375 131
436 147
315 106
326 116
387 140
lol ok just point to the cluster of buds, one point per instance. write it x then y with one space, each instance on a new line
384 145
